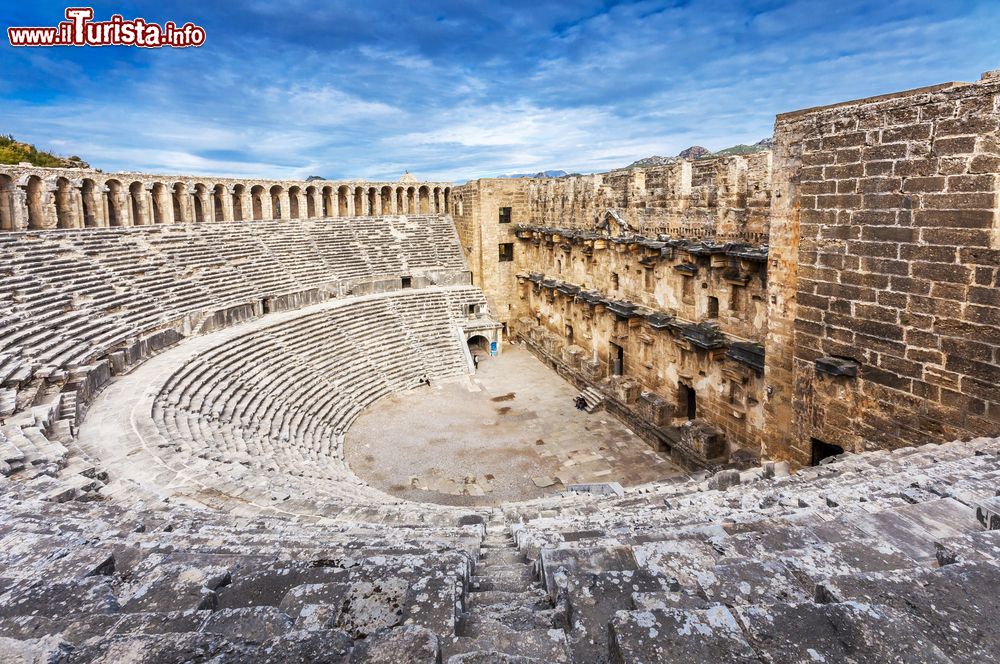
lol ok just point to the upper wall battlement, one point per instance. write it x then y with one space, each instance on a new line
725 197
44 198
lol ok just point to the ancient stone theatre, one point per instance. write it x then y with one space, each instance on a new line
722 408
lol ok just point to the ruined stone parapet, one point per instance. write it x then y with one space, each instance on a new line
726 197
44 198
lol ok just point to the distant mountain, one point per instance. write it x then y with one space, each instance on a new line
763 144
694 152
698 152
14 152
650 162
542 174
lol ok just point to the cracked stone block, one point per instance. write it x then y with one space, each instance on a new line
175 587
183 647
399 644
370 606
254 624
328 646
852 632
751 582
724 479
46 650
589 559
61 599
678 636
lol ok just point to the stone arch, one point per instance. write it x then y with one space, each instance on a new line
479 347
386 196
424 204
359 201
177 196
436 200
275 193
411 200
310 202
114 198
36 216
238 192
135 204
372 201
400 198
293 201
160 201
343 198
200 193
218 202
447 200
328 201
257 201
65 208
6 203
89 199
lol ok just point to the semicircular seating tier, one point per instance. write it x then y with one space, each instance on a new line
264 413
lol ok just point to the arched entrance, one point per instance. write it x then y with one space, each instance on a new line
257 196
479 348
6 203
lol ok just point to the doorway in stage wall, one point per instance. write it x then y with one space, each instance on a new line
687 401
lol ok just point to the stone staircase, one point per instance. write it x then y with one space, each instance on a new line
594 399
507 613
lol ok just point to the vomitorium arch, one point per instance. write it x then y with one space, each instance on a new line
737 408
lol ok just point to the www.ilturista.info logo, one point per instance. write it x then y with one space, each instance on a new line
79 29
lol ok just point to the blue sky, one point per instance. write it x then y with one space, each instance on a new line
456 90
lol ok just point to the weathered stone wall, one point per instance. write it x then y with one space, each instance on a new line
42 198
724 197
683 280
661 358
877 307
884 257
476 211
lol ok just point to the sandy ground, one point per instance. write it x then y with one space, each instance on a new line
494 438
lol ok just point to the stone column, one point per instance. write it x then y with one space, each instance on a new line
50 219
228 204
76 202
19 208
101 213
146 203
187 203
207 205
266 209
318 200
246 204
283 201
